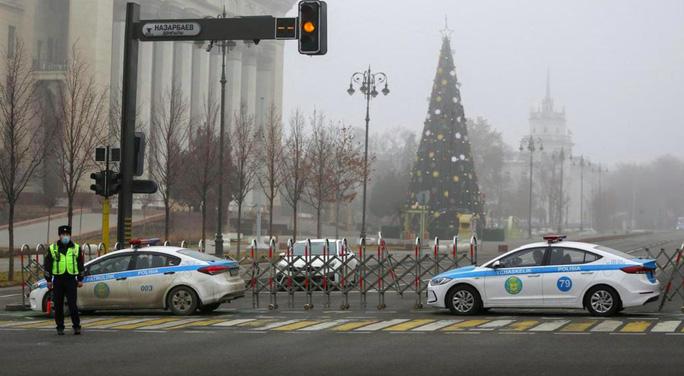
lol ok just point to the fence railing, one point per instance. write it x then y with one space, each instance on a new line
363 269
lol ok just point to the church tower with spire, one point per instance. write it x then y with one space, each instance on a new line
548 124
443 178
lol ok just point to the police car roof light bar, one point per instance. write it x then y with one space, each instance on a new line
553 238
137 243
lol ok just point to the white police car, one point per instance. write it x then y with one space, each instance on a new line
551 274
178 279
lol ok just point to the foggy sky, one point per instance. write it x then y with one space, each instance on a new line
616 66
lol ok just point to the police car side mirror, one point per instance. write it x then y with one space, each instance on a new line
496 264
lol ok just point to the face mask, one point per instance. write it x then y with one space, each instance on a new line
65 240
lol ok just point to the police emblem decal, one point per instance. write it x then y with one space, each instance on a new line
101 290
513 285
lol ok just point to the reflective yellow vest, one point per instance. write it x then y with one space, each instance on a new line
67 263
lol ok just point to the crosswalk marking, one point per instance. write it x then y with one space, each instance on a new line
368 324
666 326
636 327
607 326
578 326
197 323
144 323
108 323
435 325
352 325
381 325
169 324
234 322
255 323
324 325
494 324
42 324
520 326
297 325
276 324
408 325
465 325
10 324
549 326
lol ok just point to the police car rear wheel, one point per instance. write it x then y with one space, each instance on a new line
182 301
463 300
602 301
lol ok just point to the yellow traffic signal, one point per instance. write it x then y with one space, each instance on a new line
309 27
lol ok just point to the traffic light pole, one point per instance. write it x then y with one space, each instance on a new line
252 28
128 103
105 205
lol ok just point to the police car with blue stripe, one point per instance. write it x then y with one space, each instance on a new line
153 277
551 274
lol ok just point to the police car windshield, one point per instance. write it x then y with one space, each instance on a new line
199 255
614 251
316 249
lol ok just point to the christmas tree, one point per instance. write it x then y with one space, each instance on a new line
443 179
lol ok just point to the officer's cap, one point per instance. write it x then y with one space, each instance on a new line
64 230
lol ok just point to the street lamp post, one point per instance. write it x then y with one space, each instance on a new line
581 163
560 157
225 45
528 143
367 81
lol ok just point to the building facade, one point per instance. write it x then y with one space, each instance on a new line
50 29
555 165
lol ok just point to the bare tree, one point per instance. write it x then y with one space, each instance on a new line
346 169
296 166
170 128
244 158
200 162
319 189
18 130
270 176
80 123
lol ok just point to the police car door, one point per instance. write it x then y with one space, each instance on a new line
565 285
153 275
106 283
517 281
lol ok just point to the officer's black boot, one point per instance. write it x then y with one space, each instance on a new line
77 330
60 331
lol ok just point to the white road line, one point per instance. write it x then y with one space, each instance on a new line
276 324
666 326
435 325
168 324
549 326
324 325
105 326
607 326
234 322
380 325
494 324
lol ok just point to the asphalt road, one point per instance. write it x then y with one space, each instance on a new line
317 353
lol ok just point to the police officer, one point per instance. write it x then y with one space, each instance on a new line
64 274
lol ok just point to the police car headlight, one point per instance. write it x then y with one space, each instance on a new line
439 281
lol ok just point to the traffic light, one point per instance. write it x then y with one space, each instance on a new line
113 183
100 183
313 33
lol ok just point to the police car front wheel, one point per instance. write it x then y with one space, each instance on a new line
464 300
